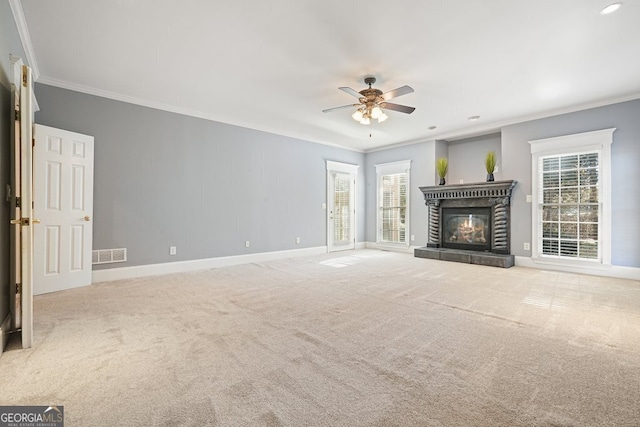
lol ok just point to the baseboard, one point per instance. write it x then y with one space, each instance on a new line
616 271
112 274
4 331
361 245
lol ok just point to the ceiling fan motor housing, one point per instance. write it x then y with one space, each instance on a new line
370 95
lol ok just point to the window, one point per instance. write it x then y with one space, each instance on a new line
571 191
393 203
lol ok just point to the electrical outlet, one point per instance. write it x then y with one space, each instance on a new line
247 244
172 250
528 198
462 181
297 240
413 238
324 206
527 246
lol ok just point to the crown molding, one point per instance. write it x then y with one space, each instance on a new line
25 38
169 108
496 126
454 135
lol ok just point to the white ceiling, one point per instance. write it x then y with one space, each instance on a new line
275 65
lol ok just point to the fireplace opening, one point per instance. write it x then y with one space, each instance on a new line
466 228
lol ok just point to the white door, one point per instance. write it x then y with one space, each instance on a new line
63 182
22 223
341 213
15 235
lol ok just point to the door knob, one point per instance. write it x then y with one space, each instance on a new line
87 218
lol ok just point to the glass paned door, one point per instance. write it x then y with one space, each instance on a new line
341 211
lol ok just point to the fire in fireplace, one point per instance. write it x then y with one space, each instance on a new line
466 228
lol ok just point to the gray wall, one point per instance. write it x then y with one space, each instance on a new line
442 150
9 44
466 159
625 158
423 158
164 179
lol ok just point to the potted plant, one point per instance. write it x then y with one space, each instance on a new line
490 164
442 164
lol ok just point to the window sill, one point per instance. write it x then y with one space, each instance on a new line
392 246
582 264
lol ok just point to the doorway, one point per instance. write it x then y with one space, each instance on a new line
341 206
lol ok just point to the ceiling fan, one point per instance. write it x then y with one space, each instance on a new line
373 102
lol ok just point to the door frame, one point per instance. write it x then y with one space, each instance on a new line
333 167
21 268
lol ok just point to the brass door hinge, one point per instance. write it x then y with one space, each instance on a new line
24 75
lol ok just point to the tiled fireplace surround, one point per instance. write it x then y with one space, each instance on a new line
495 197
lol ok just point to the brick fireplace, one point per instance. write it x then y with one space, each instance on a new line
469 223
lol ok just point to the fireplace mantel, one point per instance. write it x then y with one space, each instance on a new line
468 191
494 195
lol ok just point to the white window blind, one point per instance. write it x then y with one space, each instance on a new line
393 203
569 191
393 209
342 208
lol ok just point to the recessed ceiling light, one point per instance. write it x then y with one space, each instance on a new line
432 127
611 8
473 118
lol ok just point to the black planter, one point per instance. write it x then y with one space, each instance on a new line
489 177
442 181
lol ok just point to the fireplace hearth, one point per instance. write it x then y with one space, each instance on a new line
469 223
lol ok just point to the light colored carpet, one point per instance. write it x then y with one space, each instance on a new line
365 338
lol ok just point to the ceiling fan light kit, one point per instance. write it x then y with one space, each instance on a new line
373 102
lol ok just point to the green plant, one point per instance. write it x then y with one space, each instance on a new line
442 164
490 162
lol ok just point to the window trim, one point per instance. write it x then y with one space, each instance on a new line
403 166
600 141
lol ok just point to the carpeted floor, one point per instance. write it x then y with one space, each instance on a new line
365 338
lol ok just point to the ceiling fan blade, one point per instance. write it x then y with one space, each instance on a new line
351 92
403 90
398 107
340 108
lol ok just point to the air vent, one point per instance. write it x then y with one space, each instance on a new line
107 256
